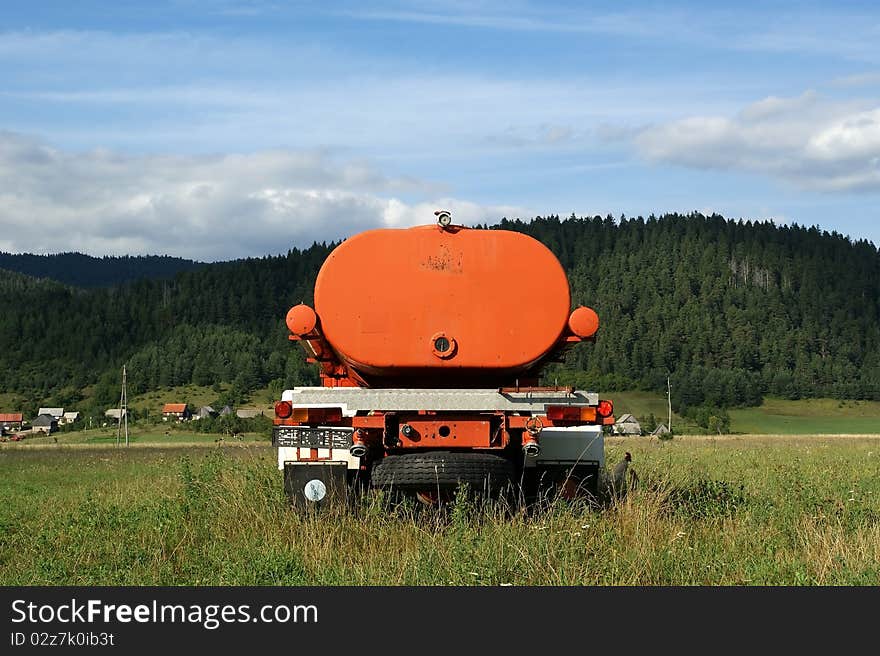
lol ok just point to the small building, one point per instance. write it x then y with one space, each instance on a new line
662 429
175 412
248 413
55 412
115 413
44 423
226 410
627 425
11 421
204 412
68 418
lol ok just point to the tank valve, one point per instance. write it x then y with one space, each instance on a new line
407 430
531 447
358 449
444 218
534 426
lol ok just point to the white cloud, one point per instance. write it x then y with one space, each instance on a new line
857 80
853 137
203 207
760 29
526 20
238 92
431 114
808 140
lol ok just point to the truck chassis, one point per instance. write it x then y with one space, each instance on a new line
333 441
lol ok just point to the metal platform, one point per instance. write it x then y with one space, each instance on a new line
357 399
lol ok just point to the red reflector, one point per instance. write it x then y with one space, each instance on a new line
317 415
605 408
325 415
283 409
563 413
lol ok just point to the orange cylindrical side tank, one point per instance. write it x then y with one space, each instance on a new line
583 322
301 320
424 301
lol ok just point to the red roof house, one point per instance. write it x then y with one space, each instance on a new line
175 411
11 420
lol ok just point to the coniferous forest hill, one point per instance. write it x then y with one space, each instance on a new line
731 311
87 271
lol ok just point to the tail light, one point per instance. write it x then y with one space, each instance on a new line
317 415
605 408
283 409
570 413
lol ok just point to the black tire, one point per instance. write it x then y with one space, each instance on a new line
442 470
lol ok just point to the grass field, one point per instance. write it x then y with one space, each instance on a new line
773 417
196 397
139 435
11 402
732 510
808 416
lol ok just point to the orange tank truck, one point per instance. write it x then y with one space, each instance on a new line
430 342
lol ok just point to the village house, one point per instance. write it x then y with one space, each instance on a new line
68 418
175 412
11 421
248 413
204 412
662 429
44 423
57 413
627 425
114 414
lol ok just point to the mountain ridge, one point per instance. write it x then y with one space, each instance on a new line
87 271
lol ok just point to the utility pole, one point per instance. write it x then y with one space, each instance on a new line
669 403
123 411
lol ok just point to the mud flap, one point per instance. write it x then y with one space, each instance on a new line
567 481
316 485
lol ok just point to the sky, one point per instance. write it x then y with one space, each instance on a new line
219 129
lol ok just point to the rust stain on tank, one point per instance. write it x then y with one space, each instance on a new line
444 260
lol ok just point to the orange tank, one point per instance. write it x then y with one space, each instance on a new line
439 306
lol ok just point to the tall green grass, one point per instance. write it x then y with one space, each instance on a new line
808 416
726 511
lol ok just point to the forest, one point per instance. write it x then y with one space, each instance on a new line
729 310
87 271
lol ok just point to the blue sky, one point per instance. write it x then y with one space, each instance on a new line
216 129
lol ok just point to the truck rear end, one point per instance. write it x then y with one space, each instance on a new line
430 342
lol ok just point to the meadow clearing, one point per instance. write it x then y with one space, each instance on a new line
747 510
